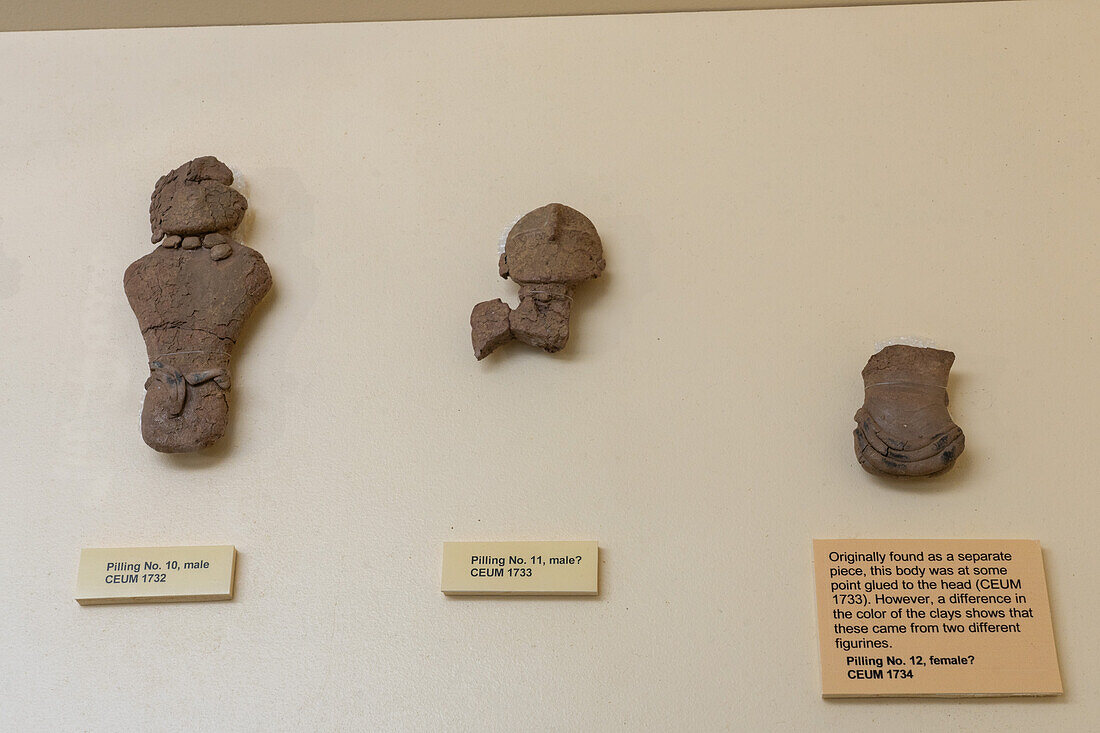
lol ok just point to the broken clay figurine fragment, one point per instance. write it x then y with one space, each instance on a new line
548 252
904 428
191 296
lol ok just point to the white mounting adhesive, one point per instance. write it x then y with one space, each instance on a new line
924 343
504 235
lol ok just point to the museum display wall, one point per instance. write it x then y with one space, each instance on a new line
778 194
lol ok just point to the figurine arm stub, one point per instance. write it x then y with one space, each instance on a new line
490 327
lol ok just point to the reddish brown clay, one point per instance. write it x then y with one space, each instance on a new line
548 252
904 428
191 297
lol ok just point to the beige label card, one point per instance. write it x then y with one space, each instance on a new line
155 574
909 618
520 568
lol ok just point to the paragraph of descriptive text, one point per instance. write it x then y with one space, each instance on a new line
935 618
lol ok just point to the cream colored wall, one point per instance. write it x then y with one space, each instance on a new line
777 192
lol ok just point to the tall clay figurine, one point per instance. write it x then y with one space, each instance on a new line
548 252
191 296
904 428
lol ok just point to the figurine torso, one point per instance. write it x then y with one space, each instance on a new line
186 301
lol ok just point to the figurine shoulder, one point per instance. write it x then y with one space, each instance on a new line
138 269
257 273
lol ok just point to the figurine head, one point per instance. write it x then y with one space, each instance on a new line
194 199
552 244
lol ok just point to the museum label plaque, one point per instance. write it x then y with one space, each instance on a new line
155 574
943 618
520 568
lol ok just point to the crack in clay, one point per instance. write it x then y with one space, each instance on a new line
185 324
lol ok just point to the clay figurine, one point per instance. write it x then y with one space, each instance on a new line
903 428
191 296
548 252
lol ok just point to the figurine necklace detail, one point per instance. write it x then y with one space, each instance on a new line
191 296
